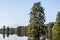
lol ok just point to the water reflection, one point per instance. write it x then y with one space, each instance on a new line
19 31
3 35
13 33
15 37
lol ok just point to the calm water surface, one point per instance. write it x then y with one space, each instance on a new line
13 37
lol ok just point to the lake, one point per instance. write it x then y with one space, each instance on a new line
13 37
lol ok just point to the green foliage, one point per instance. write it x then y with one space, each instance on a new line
49 27
4 29
37 19
7 31
12 31
29 30
56 28
19 30
25 31
55 32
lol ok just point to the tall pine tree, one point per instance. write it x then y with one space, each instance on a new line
37 19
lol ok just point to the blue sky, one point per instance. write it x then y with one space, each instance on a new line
16 12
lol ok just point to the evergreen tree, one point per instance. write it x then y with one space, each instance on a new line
37 19
50 26
56 28
19 30
4 31
7 31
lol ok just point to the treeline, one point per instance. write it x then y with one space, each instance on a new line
54 29
50 30
19 31
37 28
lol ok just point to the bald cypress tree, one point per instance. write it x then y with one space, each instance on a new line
37 19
